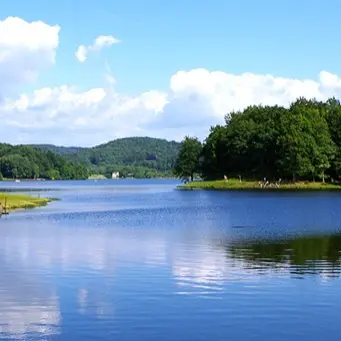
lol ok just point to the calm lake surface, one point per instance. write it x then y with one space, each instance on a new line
136 260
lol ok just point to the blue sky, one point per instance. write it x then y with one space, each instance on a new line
288 39
285 38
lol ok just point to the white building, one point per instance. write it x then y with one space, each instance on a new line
115 175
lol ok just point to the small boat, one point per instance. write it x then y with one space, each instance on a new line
17 180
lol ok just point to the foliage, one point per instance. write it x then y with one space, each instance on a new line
333 118
212 153
139 157
25 162
60 150
299 142
187 162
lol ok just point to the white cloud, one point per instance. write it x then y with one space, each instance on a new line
195 100
102 41
99 43
25 49
81 53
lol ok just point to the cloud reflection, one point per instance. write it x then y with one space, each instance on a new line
27 306
199 265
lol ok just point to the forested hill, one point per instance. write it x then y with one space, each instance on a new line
132 156
25 162
60 150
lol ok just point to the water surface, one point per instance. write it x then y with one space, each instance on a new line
139 260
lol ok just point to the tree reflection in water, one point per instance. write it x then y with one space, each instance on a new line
302 255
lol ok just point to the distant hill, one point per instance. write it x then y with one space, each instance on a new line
132 156
57 149
26 162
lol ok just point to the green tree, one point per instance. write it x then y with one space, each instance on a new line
35 171
249 143
304 140
211 165
140 154
26 162
333 118
187 163
53 174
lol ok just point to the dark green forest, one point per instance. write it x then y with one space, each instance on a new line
301 142
25 162
139 157
60 150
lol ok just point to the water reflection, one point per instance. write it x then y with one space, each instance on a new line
301 255
27 305
71 279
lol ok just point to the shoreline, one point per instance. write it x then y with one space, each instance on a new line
12 202
236 185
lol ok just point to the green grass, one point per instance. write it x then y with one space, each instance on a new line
22 201
235 184
96 177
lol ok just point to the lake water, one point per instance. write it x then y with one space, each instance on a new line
138 260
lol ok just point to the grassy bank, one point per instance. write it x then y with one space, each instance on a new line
96 177
21 201
234 184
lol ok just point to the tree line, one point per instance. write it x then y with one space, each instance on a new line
301 142
134 152
138 157
24 162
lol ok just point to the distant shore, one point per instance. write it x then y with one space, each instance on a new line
237 185
11 202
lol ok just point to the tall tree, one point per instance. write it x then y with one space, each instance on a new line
212 155
187 163
303 142
333 118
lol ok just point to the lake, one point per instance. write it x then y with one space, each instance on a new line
137 260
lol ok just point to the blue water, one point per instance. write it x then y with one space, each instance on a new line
140 260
